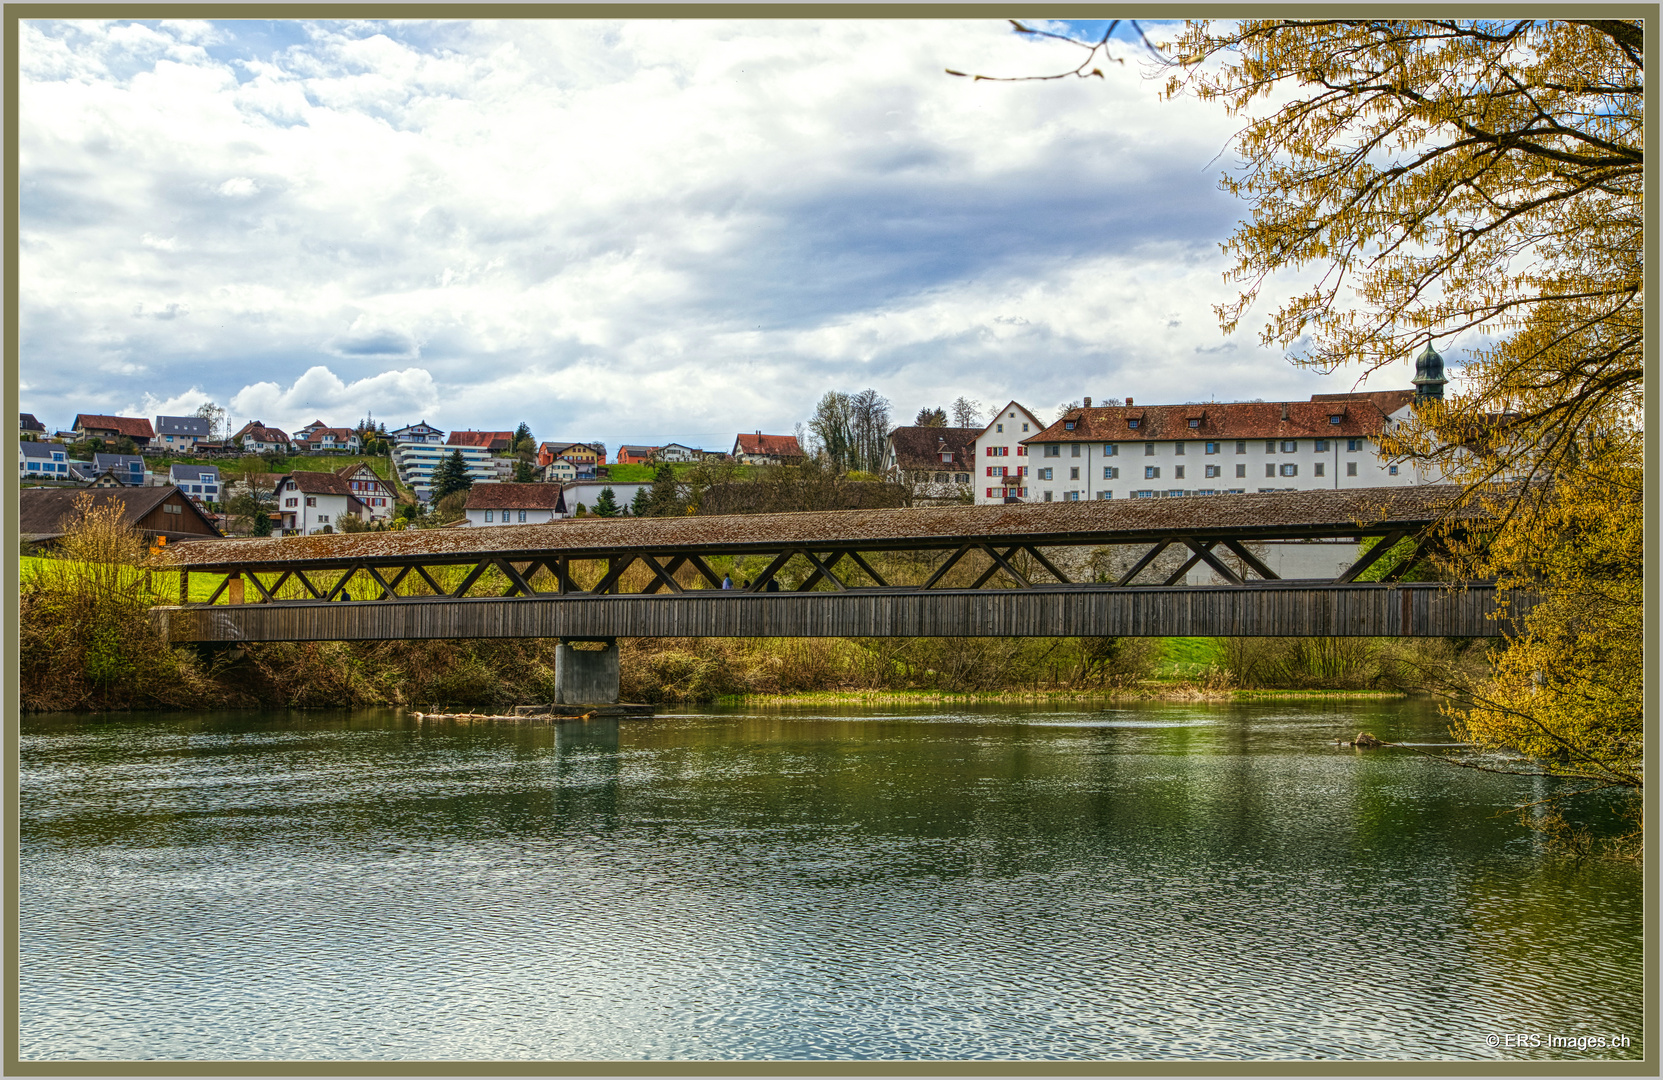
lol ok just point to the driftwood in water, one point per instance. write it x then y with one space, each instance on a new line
1365 741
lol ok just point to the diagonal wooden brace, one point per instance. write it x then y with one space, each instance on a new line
770 570
871 573
1148 557
823 569
468 581
941 570
438 589
1372 556
1061 577
1002 562
1204 552
664 575
616 565
1250 560
705 571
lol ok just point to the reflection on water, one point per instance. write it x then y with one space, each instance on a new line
1151 882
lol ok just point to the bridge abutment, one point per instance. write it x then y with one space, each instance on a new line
586 676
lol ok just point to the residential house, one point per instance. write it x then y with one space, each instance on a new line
934 462
636 455
111 428
109 478
128 468
157 512
416 463
582 455
760 449
42 461
256 438
1130 451
318 439
494 442
29 426
1000 473
418 433
559 471
200 483
515 504
367 487
315 502
182 432
677 454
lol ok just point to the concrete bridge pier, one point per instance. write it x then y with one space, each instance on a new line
586 676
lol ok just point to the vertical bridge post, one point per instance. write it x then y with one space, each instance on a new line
586 676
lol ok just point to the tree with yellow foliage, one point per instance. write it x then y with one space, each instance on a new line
1480 178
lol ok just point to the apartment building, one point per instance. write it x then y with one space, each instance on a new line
416 463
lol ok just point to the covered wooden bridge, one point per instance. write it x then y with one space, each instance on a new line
941 571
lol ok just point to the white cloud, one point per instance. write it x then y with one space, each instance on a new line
184 404
634 230
321 394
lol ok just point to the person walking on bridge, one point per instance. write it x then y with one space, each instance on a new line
727 582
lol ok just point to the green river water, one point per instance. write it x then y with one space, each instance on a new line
1005 882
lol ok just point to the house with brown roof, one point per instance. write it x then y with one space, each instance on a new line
760 449
28 425
514 504
256 438
367 487
629 454
584 457
1219 448
165 512
934 462
494 441
316 438
315 502
95 425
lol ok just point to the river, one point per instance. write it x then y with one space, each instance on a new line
1164 882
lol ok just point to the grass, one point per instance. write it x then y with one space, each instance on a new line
644 473
1187 657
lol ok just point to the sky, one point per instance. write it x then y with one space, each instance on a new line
626 231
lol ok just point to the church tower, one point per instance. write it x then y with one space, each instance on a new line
1429 376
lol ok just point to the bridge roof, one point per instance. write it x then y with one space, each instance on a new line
1283 515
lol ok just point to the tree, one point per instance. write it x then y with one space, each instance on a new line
966 413
1474 181
638 506
451 506
217 426
1067 407
451 476
125 445
832 428
606 504
928 417
524 473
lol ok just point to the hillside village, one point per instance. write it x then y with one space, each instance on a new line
262 480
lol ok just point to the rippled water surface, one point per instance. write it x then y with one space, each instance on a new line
1150 882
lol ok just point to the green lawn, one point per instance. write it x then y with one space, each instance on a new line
1185 657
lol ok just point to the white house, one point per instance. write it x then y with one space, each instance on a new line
999 470
315 502
514 504
559 471
760 449
181 432
934 462
257 438
416 463
675 453
588 491
418 433
200 482
42 461
376 494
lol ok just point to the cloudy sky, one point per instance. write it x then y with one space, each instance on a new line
630 231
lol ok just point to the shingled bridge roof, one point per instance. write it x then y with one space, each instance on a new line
1285 514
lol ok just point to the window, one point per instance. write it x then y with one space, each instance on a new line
311 500
1270 470
1045 474
1151 472
1321 446
1074 473
323 519
1131 423
1178 448
1000 428
291 502
1111 450
1391 470
1320 469
1143 494
1053 450
1212 448
1211 471
1290 446
1074 450
289 486
947 458
990 493
1021 451
1178 472
1241 446
1024 427
1351 468
1071 496
1148 449
1194 422
1110 473
990 470
1334 418
488 516
1353 445
1105 494
169 508
1047 496
1068 425
1290 469
1270 446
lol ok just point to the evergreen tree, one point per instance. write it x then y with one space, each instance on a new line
451 475
928 417
607 504
524 473
665 499
641 504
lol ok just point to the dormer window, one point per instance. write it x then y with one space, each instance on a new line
1334 419
1195 422
1131 423
1068 425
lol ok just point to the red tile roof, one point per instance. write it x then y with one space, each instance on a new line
319 483
131 426
1359 415
515 497
490 440
769 445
